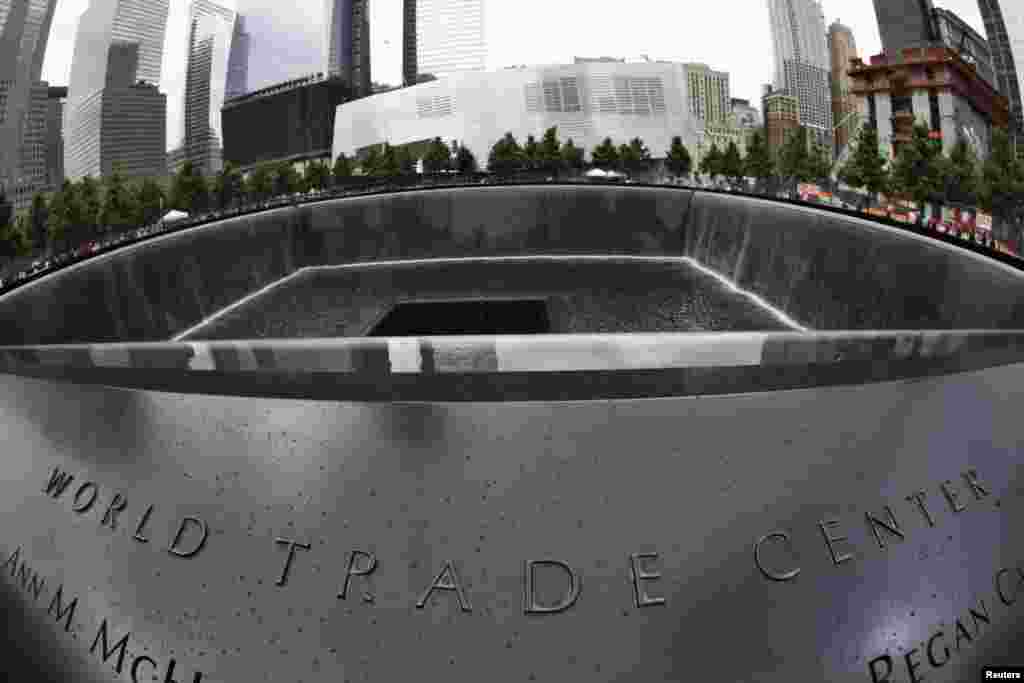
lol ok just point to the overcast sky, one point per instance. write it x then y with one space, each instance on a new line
728 35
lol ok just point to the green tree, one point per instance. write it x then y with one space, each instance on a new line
918 171
286 178
635 157
606 155
8 242
732 164
371 163
386 163
794 161
711 164
260 183
227 186
465 162
572 156
78 230
550 152
57 224
1002 186
960 174
38 216
201 198
758 164
118 212
317 176
181 188
21 235
189 190
405 161
6 208
149 202
506 156
677 159
531 153
91 203
437 157
866 168
342 170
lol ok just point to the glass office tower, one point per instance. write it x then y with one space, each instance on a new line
114 112
24 29
210 34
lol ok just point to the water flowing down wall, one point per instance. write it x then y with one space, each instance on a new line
835 497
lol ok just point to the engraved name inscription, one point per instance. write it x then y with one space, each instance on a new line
951 640
62 609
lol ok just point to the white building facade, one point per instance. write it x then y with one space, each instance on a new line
587 102
450 36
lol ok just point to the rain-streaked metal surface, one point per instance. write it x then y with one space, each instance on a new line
763 506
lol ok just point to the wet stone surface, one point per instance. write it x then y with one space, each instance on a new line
582 297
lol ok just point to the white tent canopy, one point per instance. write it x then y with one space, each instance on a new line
174 215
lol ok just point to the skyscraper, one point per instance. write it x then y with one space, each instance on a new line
24 29
238 61
802 64
842 48
708 93
905 23
347 42
954 32
450 36
410 67
114 111
1004 24
211 28
55 97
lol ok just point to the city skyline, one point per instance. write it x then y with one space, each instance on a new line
289 45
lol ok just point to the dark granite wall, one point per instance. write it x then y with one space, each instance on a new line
827 271
830 272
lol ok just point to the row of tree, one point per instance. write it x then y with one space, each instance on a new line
799 160
79 212
90 209
921 173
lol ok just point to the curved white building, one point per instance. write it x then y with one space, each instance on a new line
587 102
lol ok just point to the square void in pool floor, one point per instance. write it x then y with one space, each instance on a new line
472 316
550 296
